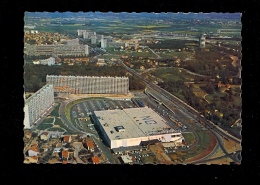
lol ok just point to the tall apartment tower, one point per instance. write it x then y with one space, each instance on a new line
80 32
85 35
93 39
202 41
86 50
103 43
38 104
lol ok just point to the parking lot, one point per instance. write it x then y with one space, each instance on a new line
84 109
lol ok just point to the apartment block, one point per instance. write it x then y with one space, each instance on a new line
38 104
89 84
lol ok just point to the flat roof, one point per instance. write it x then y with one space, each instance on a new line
136 122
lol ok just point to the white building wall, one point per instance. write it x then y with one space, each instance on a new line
32 153
38 104
136 141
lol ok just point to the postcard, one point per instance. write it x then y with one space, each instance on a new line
132 88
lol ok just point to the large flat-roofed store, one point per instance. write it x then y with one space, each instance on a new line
129 127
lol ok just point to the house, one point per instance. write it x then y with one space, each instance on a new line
45 136
65 154
95 160
55 134
27 134
90 145
57 150
32 159
34 150
67 139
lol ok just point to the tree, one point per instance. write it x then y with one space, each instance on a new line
34 134
209 88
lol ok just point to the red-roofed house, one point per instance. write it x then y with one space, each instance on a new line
90 145
65 154
34 150
67 139
95 160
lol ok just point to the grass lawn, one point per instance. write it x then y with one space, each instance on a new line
56 129
48 120
148 159
58 121
44 126
203 143
210 97
173 54
55 111
189 137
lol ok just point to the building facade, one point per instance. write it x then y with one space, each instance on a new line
38 104
86 50
202 41
138 125
89 84
103 43
57 49
93 39
50 61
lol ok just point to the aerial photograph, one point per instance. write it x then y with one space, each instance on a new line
132 88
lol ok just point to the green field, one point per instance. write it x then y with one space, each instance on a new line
56 129
55 112
44 126
131 53
48 120
189 137
174 54
58 121
203 143
173 74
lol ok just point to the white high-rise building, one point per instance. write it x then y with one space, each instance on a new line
103 43
93 39
89 84
202 41
38 104
85 35
73 42
86 50
80 32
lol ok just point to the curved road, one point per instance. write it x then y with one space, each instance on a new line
215 130
103 148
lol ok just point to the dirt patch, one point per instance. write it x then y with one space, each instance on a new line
231 146
221 161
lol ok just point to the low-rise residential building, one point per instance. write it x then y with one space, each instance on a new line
67 139
45 136
90 145
65 154
34 150
95 160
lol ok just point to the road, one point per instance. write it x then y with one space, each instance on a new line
191 112
64 119
77 146
183 105
158 56
230 155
